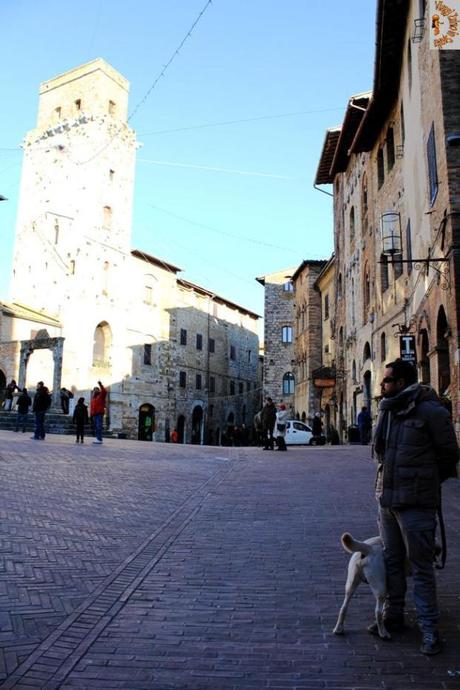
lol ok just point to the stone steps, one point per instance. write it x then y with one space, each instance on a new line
56 423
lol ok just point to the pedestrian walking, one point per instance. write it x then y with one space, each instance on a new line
97 410
317 428
416 449
282 417
23 403
364 425
9 395
268 419
174 436
41 404
80 419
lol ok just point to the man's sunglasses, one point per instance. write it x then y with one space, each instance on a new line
388 379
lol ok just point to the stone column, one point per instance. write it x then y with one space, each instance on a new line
23 359
58 347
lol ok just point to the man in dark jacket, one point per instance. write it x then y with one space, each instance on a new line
268 419
42 402
23 404
416 449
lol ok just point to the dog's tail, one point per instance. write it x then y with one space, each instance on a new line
352 545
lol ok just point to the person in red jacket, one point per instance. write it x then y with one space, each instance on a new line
97 410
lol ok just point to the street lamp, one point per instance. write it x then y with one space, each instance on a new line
390 226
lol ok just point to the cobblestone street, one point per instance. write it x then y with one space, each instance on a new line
155 566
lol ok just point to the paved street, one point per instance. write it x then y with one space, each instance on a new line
156 566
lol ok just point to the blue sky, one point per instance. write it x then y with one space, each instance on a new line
225 202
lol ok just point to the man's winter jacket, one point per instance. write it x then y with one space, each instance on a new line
42 400
415 447
268 416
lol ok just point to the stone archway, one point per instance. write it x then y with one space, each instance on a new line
43 341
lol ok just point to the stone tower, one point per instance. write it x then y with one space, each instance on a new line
73 237
74 216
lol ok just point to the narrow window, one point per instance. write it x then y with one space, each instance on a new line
148 353
240 388
212 384
380 168
107 217
384 283
409 246
383 347
232 387
403 126
432 166
148 294
390 148
198 382
182 379
78 104
57 112
112 107
288 286
352 224
232 352
56 231
286 334
72 267
249 356
183 336
199 341
211 345
397 265
326 307
409 64
111 175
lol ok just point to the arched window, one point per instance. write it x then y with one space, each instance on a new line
366 352
352 224
366 293
383 347
364 196
288 384
353 372
102 345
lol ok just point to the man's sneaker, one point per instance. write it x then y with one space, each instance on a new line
97 441
431 643
391 624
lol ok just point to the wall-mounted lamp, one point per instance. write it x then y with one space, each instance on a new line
390 225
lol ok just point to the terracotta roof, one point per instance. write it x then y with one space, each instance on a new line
355 111
217 298
327 154
308 262
390 44
154 260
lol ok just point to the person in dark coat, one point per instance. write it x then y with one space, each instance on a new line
65 396
317 427
268 419
23 403
9 394
80 418
364 425
416 449
42 403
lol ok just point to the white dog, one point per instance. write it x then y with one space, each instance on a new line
366 565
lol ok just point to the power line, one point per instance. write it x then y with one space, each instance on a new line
232 171
224 123
153 85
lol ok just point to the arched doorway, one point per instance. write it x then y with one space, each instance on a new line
102 345
230 428
197 424
367 390
327 420
425 374
442 347
2 385
146 422
180 429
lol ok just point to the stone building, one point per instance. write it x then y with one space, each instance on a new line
395 167
279 356
324 377
85 306
307 338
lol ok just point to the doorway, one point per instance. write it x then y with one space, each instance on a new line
180 429
146 422
197 423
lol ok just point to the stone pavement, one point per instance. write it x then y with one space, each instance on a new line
155 566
